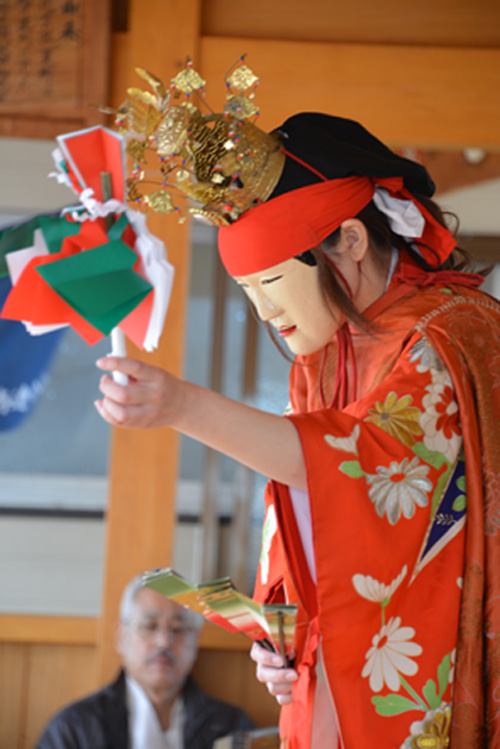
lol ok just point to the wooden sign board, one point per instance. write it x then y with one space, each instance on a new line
54 65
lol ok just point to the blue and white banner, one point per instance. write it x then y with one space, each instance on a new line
24 363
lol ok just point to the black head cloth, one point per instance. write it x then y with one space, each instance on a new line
337 148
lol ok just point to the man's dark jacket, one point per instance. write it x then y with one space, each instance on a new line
99 721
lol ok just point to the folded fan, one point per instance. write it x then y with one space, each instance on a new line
220 602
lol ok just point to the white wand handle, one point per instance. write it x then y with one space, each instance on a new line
118 348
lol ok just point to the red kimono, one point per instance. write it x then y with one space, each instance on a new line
404 503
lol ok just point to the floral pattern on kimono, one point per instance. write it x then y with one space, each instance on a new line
388 492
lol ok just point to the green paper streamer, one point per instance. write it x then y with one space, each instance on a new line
54 229
116 230
99 283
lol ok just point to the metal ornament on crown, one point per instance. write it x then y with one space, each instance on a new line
222 163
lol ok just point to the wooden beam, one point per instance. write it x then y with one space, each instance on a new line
81 630
437 22
61 630
450 169
96 59
143 472
430 97
481 248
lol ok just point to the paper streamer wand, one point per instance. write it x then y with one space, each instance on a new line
118 345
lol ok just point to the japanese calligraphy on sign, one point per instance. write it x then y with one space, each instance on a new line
49 56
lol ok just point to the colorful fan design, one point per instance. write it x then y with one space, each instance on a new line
218 601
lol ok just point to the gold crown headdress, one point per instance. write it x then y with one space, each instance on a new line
222 162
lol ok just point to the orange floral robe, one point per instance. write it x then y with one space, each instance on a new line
404 496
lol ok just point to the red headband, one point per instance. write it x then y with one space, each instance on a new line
299 220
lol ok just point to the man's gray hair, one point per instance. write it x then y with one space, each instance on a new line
130 593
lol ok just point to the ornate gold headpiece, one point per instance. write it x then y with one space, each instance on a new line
222 161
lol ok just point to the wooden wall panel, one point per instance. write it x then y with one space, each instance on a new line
235 682
441 22
58 674
428 97
35 682
13 674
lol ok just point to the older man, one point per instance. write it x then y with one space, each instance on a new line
154 703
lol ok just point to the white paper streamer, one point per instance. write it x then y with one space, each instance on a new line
157 270
19 259
61 175
97 209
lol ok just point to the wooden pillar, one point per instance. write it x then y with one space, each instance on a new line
143 470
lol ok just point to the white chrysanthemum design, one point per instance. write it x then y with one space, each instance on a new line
432 731
423 352
347 444
390 655
439 421
399 488
373 590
